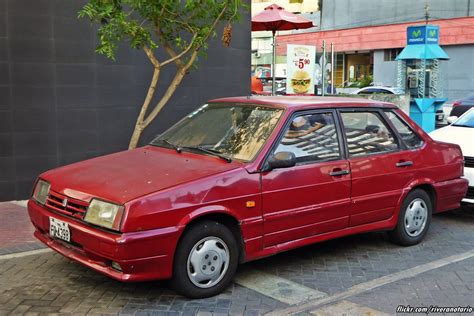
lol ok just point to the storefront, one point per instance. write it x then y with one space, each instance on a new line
369 52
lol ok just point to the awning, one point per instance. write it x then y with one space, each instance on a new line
424 51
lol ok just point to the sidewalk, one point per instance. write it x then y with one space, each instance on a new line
355 275
16 230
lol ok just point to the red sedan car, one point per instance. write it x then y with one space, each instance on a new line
244 178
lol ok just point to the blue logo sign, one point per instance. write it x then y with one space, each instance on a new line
423 34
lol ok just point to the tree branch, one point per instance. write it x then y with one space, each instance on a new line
211 29
151 57
213 26
166 96
180 73
168 48
175 56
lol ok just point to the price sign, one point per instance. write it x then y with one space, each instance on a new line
300 69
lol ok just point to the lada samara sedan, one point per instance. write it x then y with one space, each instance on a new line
244 178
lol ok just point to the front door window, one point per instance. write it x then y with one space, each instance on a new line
312 138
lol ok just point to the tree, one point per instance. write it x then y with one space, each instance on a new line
181 28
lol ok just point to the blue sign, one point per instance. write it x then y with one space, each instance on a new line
422 34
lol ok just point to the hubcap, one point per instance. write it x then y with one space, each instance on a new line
415 217
208 262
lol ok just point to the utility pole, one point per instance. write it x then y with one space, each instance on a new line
320 2
332 68
323 70
427 12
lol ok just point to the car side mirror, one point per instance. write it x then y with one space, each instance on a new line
282 159
451 119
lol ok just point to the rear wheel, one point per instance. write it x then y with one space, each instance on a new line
206 260
414 219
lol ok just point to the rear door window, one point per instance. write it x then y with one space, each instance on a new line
411 139
367 134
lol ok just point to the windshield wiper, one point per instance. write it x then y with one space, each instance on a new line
175 147
212 152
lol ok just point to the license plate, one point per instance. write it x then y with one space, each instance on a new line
59 229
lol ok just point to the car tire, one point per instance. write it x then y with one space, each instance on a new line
205 261
414 219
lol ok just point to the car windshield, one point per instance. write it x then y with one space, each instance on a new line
467 120
233 131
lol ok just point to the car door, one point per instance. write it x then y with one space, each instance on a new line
380 165
312 197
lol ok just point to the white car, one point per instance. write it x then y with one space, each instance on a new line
461 132
375 89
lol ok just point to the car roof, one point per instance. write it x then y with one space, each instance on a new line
302 102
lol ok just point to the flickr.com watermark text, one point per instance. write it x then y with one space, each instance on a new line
434 309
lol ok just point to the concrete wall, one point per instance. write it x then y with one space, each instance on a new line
456 73
340 14
61 103
385 72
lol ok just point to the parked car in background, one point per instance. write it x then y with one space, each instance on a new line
244 178
468 101
375 90
461 132
390 90
460 107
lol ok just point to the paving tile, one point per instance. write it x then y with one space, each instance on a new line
50 283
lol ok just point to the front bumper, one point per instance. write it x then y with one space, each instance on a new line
142 256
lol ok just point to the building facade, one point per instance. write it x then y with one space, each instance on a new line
368 35
60 102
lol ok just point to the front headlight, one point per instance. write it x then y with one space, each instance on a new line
104 214
40 194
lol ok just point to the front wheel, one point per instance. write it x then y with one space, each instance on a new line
414 219
206 260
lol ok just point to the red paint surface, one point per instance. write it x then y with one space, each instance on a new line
457 31
293 207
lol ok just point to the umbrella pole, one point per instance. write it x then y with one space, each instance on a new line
274 64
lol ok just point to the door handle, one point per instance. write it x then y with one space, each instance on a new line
404 163
336 172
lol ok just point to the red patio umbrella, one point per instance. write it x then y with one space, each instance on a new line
275 18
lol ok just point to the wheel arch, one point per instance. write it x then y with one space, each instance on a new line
426 185
221 216
428 188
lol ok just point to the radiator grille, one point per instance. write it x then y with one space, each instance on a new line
68 206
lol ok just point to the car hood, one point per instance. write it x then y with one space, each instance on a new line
127 175
462 136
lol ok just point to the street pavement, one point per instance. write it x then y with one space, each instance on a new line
16 230
356 275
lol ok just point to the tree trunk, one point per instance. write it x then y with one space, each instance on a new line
139 126
137 132
166 96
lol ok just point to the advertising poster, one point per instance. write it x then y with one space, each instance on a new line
300 69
